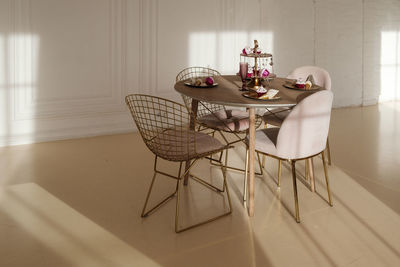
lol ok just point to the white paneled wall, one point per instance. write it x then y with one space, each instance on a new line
66 65
339 47
65 69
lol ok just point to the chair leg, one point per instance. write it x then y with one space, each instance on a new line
148 195
144 213
259 164
246 171
211 157
234 168
306 171
328 152
223 168
296 200
263 157
177 228
279 172
326 179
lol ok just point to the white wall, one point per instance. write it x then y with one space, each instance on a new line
339 47
66 65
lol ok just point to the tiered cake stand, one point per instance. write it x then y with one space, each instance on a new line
260 60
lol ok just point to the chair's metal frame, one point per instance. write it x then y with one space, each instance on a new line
165 128
293 165
206 108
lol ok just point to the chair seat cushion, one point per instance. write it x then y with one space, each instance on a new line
276 117
226 120
182 145
265 140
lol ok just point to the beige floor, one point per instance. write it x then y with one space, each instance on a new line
78 203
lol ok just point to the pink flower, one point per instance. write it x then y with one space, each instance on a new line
247 50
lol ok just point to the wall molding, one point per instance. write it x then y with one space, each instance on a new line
27 107
31 119
148 46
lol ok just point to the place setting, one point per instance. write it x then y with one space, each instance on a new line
302 85
201 82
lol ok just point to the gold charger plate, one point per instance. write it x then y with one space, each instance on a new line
200 86
253 95
292 86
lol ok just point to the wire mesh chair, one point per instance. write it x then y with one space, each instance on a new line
217 117
164 127
199 72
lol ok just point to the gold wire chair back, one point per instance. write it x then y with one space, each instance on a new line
164 126
199 72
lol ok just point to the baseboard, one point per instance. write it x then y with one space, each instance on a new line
85 127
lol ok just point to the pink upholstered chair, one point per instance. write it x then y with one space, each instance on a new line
302 135
276 116
321 77
164 127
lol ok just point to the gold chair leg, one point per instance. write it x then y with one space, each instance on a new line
177 228
234 168
144 213
296 200
328 152
225 182
242 170
326 179
263 157
211 157
246 172
224 168
259 164
207 184
306 171
279 172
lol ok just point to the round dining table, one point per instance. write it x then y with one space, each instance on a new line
227 93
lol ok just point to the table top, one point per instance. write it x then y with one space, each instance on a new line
227 93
